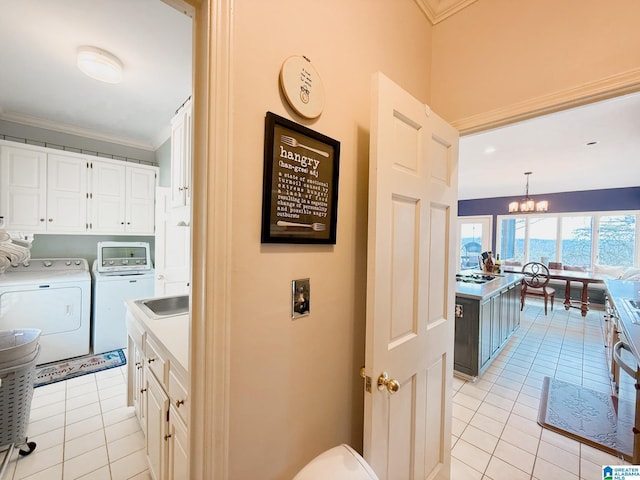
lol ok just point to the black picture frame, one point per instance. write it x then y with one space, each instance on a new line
300 184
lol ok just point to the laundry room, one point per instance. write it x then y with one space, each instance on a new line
86 161
95 155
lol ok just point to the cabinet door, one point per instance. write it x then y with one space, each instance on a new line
485 332
505 329
496 336
466 344
139 388
157 425
66 194
107 198
512 308
181 134
516 305
140 200
23 188
178 447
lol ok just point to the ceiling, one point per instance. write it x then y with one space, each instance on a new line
45 88
555 148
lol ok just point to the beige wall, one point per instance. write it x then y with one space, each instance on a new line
295 389
496 53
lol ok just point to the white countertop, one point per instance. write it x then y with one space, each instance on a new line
170 332
486 290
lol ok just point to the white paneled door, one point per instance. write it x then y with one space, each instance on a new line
173 246
411 265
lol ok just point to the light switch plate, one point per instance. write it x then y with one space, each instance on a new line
300 298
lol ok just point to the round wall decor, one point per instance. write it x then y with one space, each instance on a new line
302 86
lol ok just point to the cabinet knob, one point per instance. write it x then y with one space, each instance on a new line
142 390
167 437
179 402
42 219
51 219
151 360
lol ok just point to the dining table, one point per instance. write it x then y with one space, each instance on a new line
568 276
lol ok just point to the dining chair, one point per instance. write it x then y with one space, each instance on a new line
536 283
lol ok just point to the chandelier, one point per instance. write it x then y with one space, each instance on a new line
528 205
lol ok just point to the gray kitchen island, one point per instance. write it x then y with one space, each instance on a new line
487 313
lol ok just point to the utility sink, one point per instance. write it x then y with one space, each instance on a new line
163 307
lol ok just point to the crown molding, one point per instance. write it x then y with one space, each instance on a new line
38 122
438 10
608 87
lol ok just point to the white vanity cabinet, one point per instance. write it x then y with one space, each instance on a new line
137 386
156 441
181 155
163 403
42 192
178 446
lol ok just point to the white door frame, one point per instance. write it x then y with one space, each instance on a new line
211 238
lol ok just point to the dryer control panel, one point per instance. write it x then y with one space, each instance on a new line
123 257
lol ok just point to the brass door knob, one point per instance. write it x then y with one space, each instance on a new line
390 384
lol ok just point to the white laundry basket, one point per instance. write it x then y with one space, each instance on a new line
19 351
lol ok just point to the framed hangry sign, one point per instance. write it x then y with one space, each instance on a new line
300 184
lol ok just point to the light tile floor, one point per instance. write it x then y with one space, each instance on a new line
83 429
495 431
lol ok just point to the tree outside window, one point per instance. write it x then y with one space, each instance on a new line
616 240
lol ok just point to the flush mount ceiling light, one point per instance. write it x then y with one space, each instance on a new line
528 205
99 64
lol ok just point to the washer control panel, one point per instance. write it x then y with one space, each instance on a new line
50 264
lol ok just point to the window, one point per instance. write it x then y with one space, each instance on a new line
616 240
543 232
577 241
474 238
512 239
605 238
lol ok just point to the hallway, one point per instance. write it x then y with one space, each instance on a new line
495 431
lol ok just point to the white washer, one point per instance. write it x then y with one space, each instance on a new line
122 271
54 295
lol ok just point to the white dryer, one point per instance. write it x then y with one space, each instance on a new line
53 295
122 271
